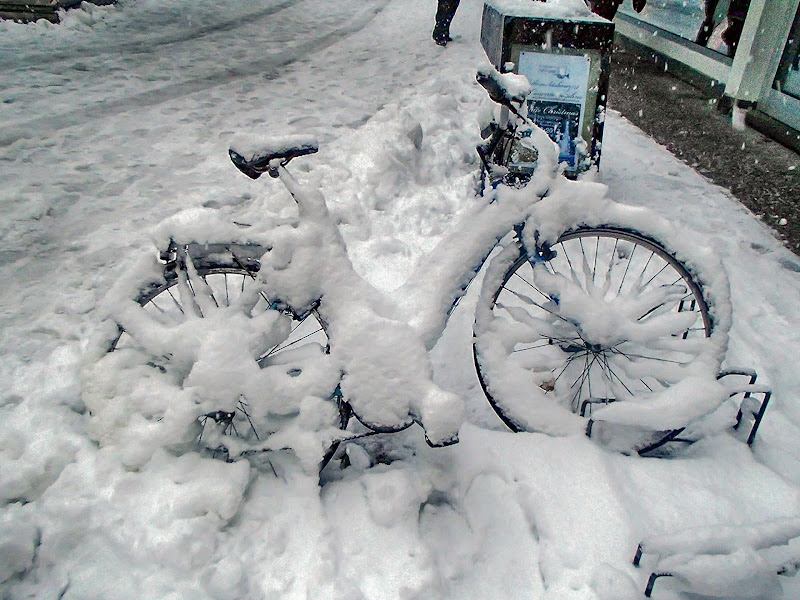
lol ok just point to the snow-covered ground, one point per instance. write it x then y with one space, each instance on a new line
121 116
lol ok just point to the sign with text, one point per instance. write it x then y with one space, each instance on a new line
558 101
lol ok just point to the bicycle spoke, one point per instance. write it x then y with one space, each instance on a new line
187 295
604 367
242 407
153 303
596 253
625 273
533 286
642 381
665 296
589 376
531 302
661 270
571 268
175 300
547 342
583 377
618 378
279 348
210 292
609 270
639 285
568 363
585 267
628 356
611 375
655 308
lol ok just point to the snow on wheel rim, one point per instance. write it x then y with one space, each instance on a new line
203 360
610 319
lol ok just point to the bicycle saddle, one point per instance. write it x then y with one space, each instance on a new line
254 158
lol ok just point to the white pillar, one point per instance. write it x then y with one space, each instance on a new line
760 48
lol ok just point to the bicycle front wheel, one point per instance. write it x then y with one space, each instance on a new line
603 315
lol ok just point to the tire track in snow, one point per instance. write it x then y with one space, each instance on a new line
269 67
146 46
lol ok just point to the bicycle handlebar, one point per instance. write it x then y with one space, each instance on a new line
282 150
507 89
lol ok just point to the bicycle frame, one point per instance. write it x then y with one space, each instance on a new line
416 320
458 258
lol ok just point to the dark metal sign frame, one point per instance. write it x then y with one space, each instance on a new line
505 35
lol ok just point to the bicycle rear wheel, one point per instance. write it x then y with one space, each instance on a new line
231 367
604 315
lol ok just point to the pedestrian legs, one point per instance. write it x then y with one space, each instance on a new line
444 15
707 27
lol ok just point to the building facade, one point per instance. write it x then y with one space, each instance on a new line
747 52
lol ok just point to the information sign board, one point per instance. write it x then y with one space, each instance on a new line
558 101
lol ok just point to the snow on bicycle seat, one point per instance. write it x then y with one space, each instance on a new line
252 156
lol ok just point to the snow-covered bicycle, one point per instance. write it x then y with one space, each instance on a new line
593 318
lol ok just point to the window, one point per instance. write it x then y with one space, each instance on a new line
788 78
715 24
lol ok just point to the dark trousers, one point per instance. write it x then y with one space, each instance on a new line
444 15
737 13
605 8
608 8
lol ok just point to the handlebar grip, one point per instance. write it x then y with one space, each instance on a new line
260 158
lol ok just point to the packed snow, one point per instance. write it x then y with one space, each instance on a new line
121 117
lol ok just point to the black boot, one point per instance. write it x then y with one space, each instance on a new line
444 15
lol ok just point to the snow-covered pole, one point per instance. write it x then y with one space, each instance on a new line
309 200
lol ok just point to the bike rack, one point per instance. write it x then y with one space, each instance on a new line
786 567
752 406
651 581
755 400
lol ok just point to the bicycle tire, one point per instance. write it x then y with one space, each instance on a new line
229 270
531 344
